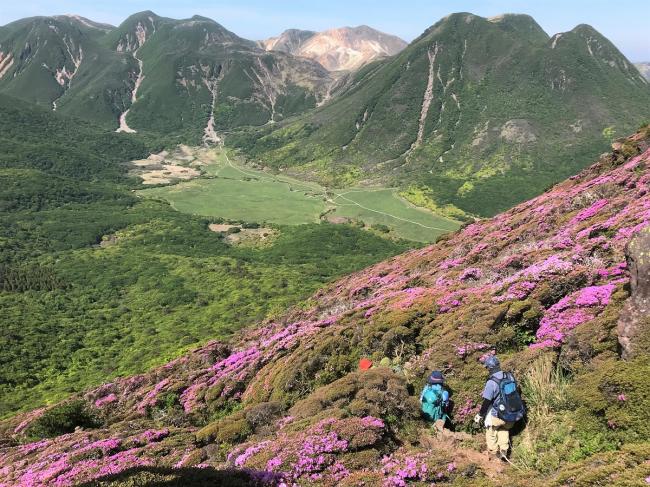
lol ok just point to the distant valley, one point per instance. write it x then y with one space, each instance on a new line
475 114
445 119
204 240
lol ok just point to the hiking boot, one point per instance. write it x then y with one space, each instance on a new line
503 456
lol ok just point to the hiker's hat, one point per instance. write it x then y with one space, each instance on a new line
435 377
491 362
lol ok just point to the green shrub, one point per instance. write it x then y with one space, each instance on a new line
231 429
614 395
262 414
377 392
62 419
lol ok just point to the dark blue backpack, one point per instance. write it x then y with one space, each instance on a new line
508 403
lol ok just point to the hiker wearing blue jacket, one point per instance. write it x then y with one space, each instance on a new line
435 399
502 407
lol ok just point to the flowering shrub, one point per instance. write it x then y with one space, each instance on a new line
595 295
450 263
471 273
617 270
150 398
464 350
448 303
517 291
589 212
428 308
151 436
103 401
466 411
75 458
412 295
398 469
312 454
570 312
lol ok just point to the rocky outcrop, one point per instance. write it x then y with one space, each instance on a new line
644 69
518 131
290 41
346 48
634 320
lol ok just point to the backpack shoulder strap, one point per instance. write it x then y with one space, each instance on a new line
498 383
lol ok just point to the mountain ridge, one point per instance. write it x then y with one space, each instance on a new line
179 95
450 116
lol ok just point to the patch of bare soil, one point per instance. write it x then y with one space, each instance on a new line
338 220
247 237
167 167
221 227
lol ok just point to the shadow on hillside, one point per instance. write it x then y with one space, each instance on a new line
176 477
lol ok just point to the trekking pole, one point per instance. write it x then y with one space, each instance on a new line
508 460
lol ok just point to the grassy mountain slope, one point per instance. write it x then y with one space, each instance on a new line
175 73
60 63
96 283
475 112
186 62
544 285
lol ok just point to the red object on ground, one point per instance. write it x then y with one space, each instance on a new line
365 364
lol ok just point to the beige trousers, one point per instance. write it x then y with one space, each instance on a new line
497 434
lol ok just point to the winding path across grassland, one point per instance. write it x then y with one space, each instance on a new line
339 195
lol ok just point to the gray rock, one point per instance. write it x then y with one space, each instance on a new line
635 316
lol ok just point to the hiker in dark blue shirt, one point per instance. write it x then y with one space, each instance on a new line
502 407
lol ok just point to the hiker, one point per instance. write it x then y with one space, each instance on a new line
502 407
435 399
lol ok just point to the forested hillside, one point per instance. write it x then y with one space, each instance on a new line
95 283
557 287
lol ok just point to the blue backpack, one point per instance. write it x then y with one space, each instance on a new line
508 403
434 401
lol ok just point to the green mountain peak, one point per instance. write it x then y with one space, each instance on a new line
476 113
522 25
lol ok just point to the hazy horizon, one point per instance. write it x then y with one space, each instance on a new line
255 19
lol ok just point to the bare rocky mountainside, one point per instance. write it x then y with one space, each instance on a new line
343 49
644 69
557 287
291 40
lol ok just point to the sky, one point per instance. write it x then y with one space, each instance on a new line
624 22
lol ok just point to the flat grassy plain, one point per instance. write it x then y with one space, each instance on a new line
232 191
385 207
242 200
